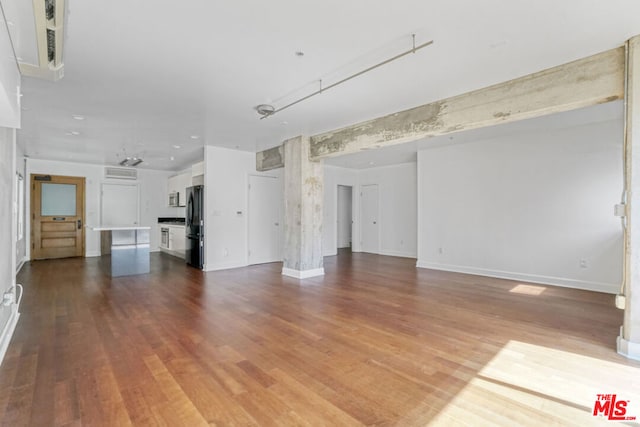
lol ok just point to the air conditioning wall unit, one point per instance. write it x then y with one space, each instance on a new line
38 31
120 173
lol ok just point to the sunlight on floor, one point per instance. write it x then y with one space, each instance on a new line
528 289
546 386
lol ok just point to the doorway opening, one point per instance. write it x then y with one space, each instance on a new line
344 220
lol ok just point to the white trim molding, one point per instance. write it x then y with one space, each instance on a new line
302 274
626 348
610 288
7 333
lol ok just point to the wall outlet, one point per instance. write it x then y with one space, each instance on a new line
621 302
583 263
440 251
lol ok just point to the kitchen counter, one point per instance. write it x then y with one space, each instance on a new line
111 228
125 249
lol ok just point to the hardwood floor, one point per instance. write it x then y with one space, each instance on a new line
373 342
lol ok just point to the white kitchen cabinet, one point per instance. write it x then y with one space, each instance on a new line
177 238
175 241
178 184
197 169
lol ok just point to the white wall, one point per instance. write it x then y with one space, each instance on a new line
526 207
226 194
153 196
397 219
8 315
398 207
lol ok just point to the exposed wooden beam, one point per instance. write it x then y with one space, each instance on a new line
582 83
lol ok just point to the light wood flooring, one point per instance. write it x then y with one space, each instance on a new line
373 342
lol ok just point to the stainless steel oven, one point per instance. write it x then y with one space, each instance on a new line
164 237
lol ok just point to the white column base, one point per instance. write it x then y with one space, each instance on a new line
628 349
302 274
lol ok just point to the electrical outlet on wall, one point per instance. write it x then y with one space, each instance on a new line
584 263
440 251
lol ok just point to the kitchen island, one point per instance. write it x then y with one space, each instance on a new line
125 250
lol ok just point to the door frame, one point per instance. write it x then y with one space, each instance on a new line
248 218
32 207
362 217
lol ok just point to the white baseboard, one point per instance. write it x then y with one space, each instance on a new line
20 265
91 254
224 266
302 274
628 349
398 254
7 333
610 288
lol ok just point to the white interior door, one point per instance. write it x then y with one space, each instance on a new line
344 217
264 219
119 204
370 239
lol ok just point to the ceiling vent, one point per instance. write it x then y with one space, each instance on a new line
120 173
49 19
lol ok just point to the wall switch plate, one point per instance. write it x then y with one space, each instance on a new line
621 302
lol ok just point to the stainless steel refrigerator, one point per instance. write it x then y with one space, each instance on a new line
194 226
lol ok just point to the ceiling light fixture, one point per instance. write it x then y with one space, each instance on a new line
266 110
195 137
77 117
73 132
176 147
131 161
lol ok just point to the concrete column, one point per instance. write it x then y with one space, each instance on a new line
629 339
303 204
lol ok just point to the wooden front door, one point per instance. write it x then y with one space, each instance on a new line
57 216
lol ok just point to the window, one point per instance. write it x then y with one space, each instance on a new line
20 207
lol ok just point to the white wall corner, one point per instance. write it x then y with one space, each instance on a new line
302 274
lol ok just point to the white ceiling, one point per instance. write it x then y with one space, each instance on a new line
149 74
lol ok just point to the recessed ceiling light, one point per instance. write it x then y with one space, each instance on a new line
172 158
77 117
195 136
372 163
285 123
73 132
177 146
